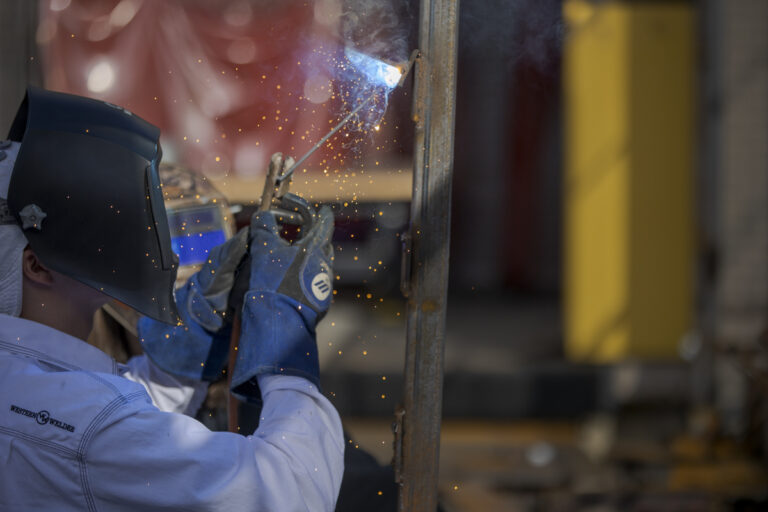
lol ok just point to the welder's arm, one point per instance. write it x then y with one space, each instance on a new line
290 290
144 459
169 393
197 347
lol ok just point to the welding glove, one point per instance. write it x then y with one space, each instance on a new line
290 290
197 347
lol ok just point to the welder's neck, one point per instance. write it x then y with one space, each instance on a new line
59 316
69 311
78 325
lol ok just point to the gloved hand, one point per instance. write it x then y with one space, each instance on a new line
197 348
290 290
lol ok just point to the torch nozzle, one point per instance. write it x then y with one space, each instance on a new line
415 54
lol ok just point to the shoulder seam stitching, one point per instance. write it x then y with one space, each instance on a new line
82 449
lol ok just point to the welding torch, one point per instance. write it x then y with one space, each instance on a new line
292 209
384 71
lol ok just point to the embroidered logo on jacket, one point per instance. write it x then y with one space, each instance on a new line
43 418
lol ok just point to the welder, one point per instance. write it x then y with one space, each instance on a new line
82 221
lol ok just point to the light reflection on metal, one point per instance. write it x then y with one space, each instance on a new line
101 77
377 71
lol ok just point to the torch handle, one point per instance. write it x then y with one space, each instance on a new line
233 416
236 295
242 278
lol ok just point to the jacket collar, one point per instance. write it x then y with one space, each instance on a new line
38 341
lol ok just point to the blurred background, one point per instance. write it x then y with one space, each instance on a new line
606 343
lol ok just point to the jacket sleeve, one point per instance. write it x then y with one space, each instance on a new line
168 392
141 458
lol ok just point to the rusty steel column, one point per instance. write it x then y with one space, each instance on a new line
426 257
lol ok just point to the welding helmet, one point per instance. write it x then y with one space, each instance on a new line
86 192
199 217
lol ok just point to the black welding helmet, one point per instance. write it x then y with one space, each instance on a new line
86 192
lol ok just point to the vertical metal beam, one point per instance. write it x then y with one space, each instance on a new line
434 112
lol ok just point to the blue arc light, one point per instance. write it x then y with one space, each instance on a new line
376 71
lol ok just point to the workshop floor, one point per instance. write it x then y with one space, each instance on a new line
494 457
492 466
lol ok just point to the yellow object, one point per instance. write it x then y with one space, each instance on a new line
390 183
628 74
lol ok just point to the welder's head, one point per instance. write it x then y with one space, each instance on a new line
85 194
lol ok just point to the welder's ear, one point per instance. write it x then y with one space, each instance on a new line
34 270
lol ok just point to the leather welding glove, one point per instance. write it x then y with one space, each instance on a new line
290 290
198 346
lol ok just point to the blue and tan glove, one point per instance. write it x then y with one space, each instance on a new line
197 348
290 290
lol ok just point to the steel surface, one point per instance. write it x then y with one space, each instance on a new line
434 112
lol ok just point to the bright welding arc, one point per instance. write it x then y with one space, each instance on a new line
390 80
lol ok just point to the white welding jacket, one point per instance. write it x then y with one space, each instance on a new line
80 432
